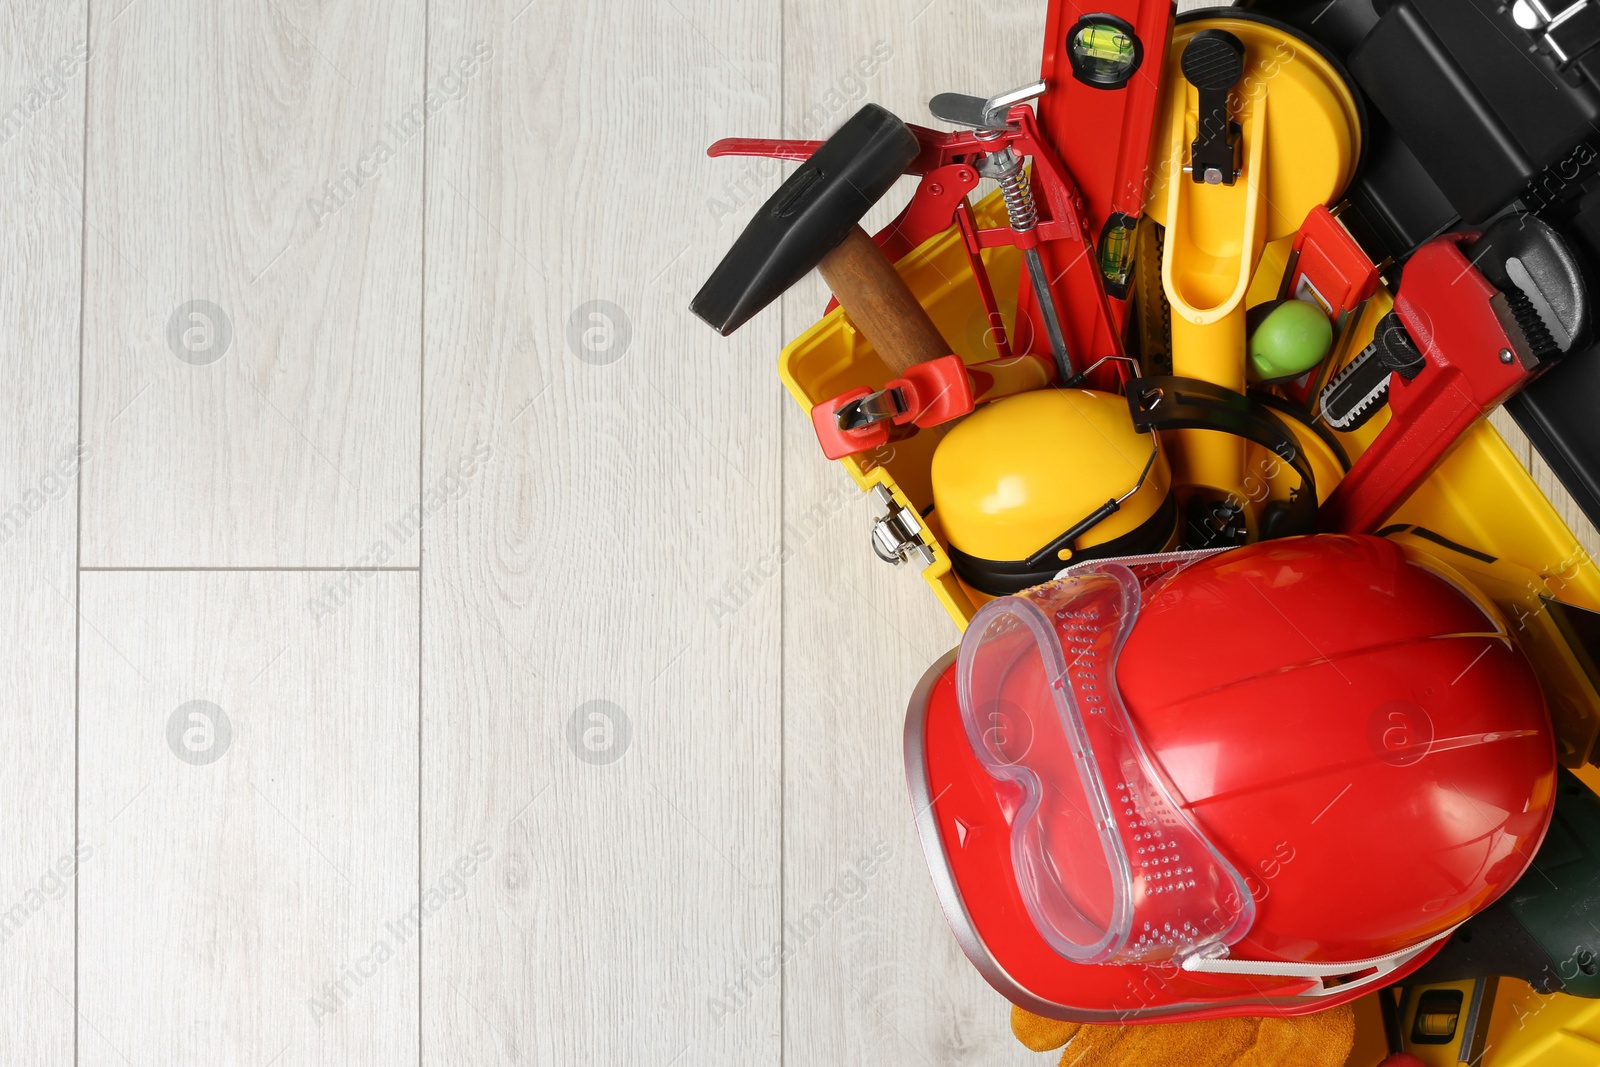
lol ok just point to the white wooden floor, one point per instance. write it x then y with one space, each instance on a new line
395 667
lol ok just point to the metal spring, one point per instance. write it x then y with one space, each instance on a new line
1018 196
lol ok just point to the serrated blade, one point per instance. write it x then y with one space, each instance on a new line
1354 394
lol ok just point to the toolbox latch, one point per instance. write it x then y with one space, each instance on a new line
897 535
1569 34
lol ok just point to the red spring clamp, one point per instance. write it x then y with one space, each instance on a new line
927 395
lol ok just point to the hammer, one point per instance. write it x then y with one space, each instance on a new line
813 220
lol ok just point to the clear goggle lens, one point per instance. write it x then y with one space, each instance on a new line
1110 865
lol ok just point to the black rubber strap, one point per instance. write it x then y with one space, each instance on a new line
1168 402
1001 577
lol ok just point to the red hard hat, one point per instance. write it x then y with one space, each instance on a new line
1263 779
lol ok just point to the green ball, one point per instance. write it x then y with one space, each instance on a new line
1294 337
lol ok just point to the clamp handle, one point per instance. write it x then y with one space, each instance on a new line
1213 62
961 109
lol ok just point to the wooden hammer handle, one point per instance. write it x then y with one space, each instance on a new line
880 304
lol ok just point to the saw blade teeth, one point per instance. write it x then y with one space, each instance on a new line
1358 412
1349 370
1353 417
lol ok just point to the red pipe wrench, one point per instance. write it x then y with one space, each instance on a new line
1476 318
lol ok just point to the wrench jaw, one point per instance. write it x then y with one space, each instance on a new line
1544 304
1531 341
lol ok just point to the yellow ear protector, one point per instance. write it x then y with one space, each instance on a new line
1031 483
1034 482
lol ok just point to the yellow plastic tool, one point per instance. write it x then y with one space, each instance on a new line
1010 478
1299 140
1529 1030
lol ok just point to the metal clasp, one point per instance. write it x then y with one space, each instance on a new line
897 535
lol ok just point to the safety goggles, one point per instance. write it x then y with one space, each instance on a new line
1110 866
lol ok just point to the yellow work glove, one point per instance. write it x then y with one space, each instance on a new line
1323 1039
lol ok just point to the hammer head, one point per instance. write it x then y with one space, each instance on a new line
809 215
